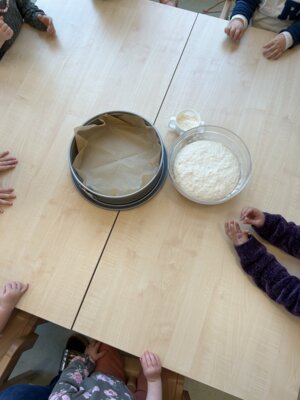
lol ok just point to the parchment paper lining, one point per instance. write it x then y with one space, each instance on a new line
117 155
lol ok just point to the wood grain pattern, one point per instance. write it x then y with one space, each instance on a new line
108 55
169 280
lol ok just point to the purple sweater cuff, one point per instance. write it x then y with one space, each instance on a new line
271 222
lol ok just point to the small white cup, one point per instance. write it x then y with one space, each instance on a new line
185 120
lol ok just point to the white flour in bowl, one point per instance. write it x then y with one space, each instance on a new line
206 170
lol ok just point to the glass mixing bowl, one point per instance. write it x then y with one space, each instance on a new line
228 139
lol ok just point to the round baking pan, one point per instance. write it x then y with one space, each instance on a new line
130 200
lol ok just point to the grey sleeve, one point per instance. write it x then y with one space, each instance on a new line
29 12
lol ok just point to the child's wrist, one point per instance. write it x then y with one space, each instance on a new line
289 41
154 380
7 307
241 18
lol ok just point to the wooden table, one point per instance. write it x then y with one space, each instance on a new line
108 55
168 279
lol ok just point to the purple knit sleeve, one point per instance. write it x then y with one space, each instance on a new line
280 233
269 275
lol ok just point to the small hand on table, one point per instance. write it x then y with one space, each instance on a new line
6 194
275 48
6 32
48 22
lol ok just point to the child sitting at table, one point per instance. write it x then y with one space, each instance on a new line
267 272
12 15
10 294
276 16
6 194
100 374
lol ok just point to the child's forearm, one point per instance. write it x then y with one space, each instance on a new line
294 31
269 275
154 391
283 234
245 8
29 12
71 377
5 313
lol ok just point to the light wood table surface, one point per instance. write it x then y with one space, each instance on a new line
108 55
168 279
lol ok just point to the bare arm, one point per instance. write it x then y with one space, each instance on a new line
152 370
10 294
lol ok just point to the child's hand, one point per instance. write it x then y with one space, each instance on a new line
47 21
275 48
6 197
10 294
151 366
7 162
93 351
252 216
235 234
235 29
6 32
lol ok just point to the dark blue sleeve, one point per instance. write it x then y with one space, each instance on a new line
269 275
294 30
245 8
280 233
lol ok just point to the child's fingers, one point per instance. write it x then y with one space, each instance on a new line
4 153
245 214
9 195
8 160
237 227
147 358
275 48
100 355
226 226
157 359
152 359
235 34
48 22
231 32
12 285
97 346
51 29
6 203
143 361
9 286
17 285
6 190
41 17
227 29
92 344
232 226
272 53
24 287
235 29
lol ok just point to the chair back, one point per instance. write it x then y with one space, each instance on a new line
17 337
